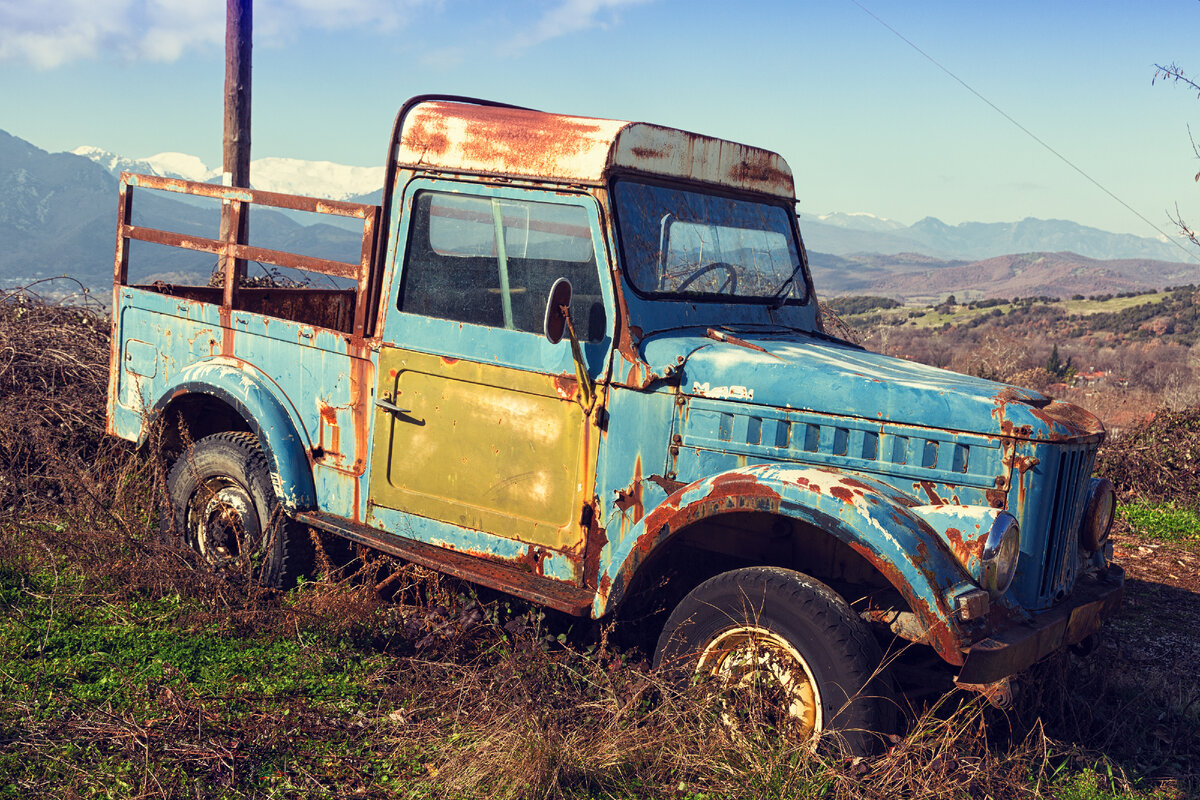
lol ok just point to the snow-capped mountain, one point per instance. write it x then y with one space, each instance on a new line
287 175
168 165
860 221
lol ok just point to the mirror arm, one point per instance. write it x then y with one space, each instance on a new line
587 389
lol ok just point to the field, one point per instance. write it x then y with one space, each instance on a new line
126 671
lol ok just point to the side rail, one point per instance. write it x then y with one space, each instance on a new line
231 252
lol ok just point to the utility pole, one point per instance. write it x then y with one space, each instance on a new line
238 36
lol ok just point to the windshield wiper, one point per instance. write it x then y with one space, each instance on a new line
778 297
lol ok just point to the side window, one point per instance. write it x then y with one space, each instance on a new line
491 261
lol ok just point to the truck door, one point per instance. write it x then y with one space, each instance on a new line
481 442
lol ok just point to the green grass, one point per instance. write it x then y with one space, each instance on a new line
961 314
1162 521
1090 784
1086 307
117 699
156 696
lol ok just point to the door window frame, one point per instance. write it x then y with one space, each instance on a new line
496 345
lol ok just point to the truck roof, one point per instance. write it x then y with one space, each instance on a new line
467 137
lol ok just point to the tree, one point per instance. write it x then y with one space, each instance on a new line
1173 73
1056 366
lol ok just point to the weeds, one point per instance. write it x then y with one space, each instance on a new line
1162 521
1155 462
126 671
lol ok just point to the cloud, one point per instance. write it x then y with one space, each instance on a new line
570 16
48 35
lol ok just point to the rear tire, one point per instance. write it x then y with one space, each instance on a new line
220 503
785 651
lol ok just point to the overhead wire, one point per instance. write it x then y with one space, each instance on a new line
1192 256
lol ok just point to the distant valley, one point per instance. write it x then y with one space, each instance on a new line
58 213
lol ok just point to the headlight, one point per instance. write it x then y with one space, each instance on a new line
1097 515
1000 553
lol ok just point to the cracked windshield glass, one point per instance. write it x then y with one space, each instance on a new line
681 242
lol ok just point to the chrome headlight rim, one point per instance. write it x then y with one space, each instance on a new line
1001 551
1099 512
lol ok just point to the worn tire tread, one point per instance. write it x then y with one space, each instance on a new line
849 643
296 557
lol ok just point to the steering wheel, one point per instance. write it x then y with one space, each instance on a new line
730 279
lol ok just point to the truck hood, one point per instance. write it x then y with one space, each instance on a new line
812 373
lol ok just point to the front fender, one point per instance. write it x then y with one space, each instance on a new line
879 523
262 404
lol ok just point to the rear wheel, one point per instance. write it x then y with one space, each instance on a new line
220 502
783 651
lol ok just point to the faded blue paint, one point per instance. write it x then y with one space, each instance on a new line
642 422
190 340
905 463
830 377
253 396
507 348
560 566
880 523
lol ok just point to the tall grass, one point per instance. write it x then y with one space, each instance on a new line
127 670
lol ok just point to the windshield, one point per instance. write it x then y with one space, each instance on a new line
703 246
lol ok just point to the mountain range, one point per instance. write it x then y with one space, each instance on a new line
58 217
843 234
286 175
58 210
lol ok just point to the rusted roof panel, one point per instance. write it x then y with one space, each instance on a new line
667 151
461 137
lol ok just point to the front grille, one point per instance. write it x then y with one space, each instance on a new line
1071 476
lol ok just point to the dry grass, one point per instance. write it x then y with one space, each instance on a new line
1156 460
138 674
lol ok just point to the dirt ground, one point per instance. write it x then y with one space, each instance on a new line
1137 697
1159 623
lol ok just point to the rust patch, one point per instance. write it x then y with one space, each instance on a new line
1025 463
534 559
329 420
449 360
649 153
226 314
595 540
630 499
842 493
931 492
668 485
1078 421
566 387
524 142
967 549
762 167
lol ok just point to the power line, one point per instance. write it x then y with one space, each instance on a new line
1025 130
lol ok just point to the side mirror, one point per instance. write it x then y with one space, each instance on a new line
555 320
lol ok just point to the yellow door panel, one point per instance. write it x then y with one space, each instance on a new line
486 447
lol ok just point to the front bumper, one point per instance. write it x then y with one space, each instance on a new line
1008 652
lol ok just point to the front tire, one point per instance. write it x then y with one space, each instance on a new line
785 651
220 503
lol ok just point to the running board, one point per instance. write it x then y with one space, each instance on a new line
560 596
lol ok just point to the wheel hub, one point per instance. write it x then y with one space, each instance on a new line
762 678
222 522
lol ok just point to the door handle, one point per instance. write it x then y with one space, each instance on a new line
391 407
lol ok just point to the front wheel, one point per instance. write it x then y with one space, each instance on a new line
220 503
784 651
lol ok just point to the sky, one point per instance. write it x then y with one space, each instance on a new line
867 122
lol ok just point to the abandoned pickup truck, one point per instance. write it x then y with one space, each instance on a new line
581 361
